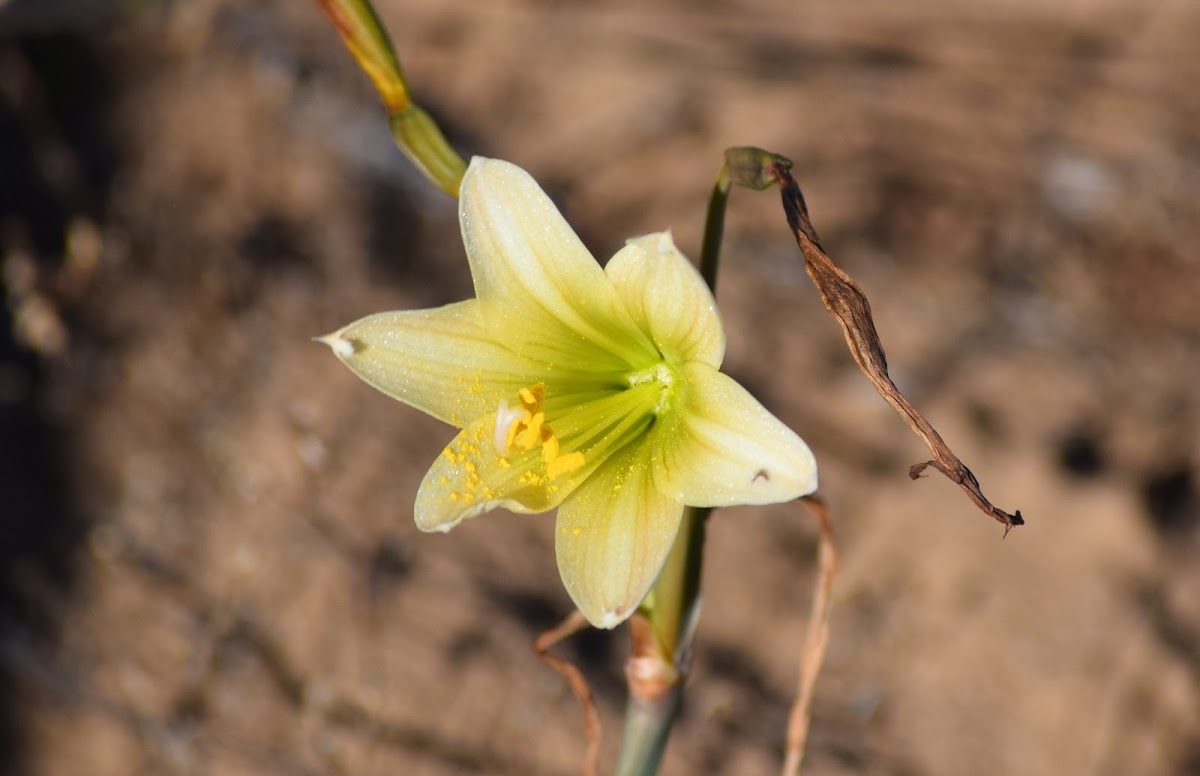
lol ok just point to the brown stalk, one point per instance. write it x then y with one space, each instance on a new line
847 303
574 623
816 640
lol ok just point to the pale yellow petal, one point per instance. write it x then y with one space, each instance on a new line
471 477
668 298
721 447
613 536
542 292
442 361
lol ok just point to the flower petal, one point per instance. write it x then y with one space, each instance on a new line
470 477
613 536
668 298
722 448
540 288
441 361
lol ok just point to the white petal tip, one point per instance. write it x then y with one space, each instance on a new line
609 619
655 242
342 348
664 243
805 485
482 165
427 526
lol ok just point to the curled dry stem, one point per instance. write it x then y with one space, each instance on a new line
845 301
816 639
574 623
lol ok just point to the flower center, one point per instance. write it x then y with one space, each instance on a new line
661 374
523 427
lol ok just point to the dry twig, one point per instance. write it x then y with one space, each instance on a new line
816 640
574 623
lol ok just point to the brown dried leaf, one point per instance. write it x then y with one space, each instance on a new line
847 303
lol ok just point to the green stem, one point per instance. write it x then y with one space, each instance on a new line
654 698
660 663
677 589
714 229
645 735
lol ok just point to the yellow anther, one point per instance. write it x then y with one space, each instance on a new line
524 428
532 398
532 434
549 448
510 436
565 463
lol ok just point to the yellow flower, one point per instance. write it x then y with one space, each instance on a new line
593 390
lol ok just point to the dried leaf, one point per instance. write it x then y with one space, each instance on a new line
847 303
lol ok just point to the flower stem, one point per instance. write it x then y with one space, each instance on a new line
664 628
662 645
676 593
714 228
645 736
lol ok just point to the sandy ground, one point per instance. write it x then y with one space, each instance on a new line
208 559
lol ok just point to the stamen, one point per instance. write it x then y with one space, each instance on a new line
524 428
549 447
533 398
511 437
565 463
532 435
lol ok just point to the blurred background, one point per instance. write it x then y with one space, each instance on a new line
207 557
